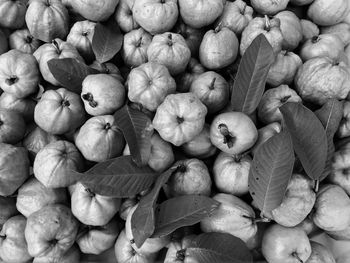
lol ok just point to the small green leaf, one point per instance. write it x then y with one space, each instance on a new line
143 219
219 248
330 116
118 177
250 81
107 40
70 72
271 171
182 211
308 136
137 129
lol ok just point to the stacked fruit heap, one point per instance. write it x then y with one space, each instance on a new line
174 131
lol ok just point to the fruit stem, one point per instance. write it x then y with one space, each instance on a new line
267 23
229 139
315 39
294 254
170 39
261 220
29 39
90 98
218 28
55 44
316 185
212 84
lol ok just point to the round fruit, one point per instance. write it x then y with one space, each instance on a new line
12 13
340 169
269 7
94 10
328 12
22 40
25 106
171 50
233 132
102 94
219 48
180 118
185 79
124 15
108 68
344 126
47 19
12 126
342 30
59 111
19 73
266 133
155 16
309 29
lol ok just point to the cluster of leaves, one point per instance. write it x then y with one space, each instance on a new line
308 134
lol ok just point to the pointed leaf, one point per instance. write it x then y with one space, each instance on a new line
270 172
70 72
118 177
330 116
143 219
137 129
182 211
219 248
107 40
249 85
308 136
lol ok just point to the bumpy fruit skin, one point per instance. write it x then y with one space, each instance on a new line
332 208
155 16
151 245
124 16
100 139
320 254
236 16
33 195
185 79
231 174
200 13
233 132
14 168
297 203
55 161
22 40
259 25
7 209
13 246
327 12
309 29
268 109
94 10
80 36
233 216
340 168
25 106
135 45
71 256
12 126
269 7
283 70
149 84
192 177
180 118
219 48
344 126
102 94
54 50
291 30
324 45
12 13
47 20
200 147
192 36
51 231
98 239
19 73
283 244
171 50
90 208
320 79
341 30
125 253
59 111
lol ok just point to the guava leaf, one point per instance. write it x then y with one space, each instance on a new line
271 171
107 40
137 129
250 81
330 116
182 211
219 248
143 219
70 72
308 136
118 177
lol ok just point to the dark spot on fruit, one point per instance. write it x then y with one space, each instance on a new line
108 126
11 80
180 120
65 103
